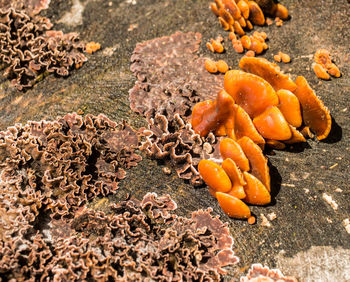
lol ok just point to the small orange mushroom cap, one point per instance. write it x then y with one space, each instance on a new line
214 176
233 206
271 124
290 107
231 149
244 126
208 115
315 114
256 15
251 92
256 192
257 160
268 71
233 172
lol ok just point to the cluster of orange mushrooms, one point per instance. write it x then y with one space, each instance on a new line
258 106
240 15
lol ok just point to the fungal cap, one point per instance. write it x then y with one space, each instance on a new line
297 136
233 206
233 8
233 172
256 15
290 107
257 160
271 124
250 91
315 114
231 149
268 71
256 192
244 126
320 71
237 191
214 176
207 116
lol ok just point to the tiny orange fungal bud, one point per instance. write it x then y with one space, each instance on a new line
217 46
210 66
281 12
277 58
232 36
251 220
246 42
92 47
210 47
320 71
222 66
285 58
250 53
214 176
333 70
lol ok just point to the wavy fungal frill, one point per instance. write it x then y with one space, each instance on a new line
30 49
63 164
170 76
259 106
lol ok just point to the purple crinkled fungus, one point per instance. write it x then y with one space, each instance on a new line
171 78
259 273
31 50
175 142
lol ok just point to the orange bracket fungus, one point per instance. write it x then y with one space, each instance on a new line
315 114
255 115
230 184
268 71
250 91
207 115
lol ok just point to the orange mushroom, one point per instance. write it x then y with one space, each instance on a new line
271 124
206 116
233 206
256 192
315 114
244 7
256 15
243 126
276 144
251 92
233 172
268 71
290 107
232 7
257 160
214 176
231 149
297 136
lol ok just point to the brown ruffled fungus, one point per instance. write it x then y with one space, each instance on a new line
170 82
175 142
259 273
30 49
315 114
268 71
251 92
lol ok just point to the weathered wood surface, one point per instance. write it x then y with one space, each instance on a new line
308 231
